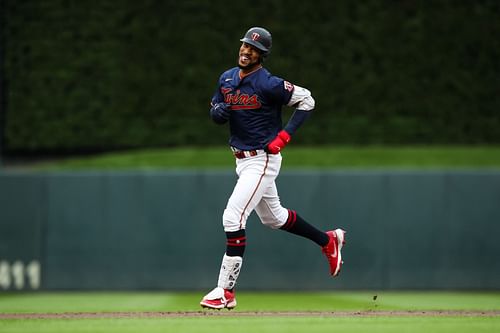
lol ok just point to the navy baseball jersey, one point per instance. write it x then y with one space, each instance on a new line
256 102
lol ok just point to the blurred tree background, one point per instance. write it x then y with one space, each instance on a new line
104 74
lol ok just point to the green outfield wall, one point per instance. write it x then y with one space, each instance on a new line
162 230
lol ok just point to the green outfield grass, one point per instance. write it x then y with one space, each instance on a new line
253 325
420 157
137 303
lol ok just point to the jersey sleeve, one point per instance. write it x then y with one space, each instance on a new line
301 99
218 97
280 90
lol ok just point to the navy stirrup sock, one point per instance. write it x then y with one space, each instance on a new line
236 242
298 226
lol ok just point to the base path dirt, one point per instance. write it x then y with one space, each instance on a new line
224 313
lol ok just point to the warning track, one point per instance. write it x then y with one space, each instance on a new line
210 313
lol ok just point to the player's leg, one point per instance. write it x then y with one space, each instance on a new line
255 175
331 241
274 215
223 295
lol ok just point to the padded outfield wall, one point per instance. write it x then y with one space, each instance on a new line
162 230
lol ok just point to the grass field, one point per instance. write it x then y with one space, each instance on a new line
420 157
274 312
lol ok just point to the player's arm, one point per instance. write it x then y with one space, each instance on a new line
304 103
219 110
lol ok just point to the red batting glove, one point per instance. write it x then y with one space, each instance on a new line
278 143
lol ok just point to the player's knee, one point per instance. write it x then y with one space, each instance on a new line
271 223
275 219
230 221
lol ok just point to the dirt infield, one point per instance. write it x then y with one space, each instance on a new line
209 313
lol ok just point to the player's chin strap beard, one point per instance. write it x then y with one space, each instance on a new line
245 71
251 67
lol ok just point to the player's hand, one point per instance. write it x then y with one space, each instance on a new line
220 112
278 143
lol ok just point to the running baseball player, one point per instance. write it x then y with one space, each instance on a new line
250 99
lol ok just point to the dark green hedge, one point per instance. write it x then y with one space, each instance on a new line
111 74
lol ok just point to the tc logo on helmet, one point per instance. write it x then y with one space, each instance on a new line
255 36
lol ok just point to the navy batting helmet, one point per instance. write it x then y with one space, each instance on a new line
260 38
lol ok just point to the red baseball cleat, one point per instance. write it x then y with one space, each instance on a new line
219 298
332 250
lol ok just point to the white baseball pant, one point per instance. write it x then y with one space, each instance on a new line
255 190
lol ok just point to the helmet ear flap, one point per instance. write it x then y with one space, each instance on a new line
262 57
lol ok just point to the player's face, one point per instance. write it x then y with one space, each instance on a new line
249 57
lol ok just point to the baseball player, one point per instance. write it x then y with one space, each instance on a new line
250 99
